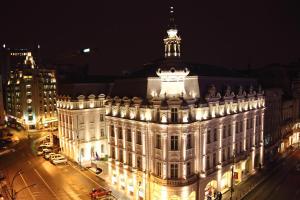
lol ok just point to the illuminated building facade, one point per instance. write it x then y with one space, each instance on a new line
82 128
2 114
180 134
31 95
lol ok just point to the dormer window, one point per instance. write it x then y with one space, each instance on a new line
174 115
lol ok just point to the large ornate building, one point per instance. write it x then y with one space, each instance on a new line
172 134
179 134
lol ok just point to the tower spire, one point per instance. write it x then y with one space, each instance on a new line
172 41
172 16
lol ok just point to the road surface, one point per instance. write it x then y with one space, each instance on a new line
51 182
283 184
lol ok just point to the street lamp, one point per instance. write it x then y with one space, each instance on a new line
14 194
18 173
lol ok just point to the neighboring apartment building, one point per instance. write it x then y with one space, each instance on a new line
82 128
273 120
31 95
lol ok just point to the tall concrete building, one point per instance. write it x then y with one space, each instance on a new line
31 95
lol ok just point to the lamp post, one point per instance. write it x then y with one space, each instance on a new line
14 194
18 173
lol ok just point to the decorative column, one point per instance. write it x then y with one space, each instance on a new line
204 142
165 154
184 138
244 133
253 144
233 133
108 139
144 151
261 150
219 165
116 143
124 145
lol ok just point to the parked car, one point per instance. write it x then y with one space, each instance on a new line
55 156
45 145
47 155
59 160
100 193
10 134
47 150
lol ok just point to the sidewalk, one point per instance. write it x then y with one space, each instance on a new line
241 190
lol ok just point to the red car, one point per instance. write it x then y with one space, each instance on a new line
100 193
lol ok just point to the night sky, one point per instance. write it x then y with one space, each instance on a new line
128 34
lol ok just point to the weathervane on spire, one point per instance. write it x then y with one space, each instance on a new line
173 40
172 15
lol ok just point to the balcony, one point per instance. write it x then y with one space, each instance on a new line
174 182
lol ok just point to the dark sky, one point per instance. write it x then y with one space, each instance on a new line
129 33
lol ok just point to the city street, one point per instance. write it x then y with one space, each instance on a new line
51 182
282 184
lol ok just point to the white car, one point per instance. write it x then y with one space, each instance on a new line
55 156
60 160
47 155
46 145
47 150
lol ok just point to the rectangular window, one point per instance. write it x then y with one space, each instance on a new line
174 115
139 137
113 155
251 123
228 152
158 169
158 141
236 127
139 163
215 135
121 155
248 123
102 132
101 117
256 121
174 171
223 155
241 126
207 162
102 148
189 142
112 131
120 134
129 135
188 169
229 130
174 143
214 159
224 132
208 136
129 159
